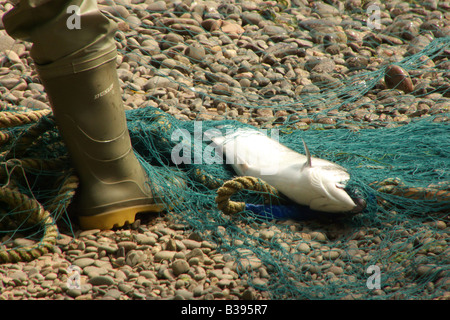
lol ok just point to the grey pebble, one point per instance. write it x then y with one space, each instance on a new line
164 255
113 293
101 280
127 245
191 244
157 6
179 267
145 240
84 262
73 292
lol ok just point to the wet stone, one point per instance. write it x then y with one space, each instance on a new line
398 78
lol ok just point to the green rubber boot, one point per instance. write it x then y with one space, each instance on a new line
76 64
89 113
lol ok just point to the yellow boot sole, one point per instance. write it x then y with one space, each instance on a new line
116 218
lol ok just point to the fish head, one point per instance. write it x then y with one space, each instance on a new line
327 183
328 186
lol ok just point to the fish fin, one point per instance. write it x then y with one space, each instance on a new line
308 155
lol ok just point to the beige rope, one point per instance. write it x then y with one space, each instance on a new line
12 119
396 187
33 212
238 184
28 211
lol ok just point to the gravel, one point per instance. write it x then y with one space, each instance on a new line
224 60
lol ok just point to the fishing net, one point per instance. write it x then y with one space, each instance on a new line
383 118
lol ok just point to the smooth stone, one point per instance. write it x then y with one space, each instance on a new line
164 255
211 24
264 112
73 292
398 78
113 293
6 42
36 86
92 271
84 262
23 242
10 82
184 294
157 6
51 276
195 253
230 27
187 29
171 39
191 244
160 82
274 30
282 49
248 294
10 56
135 257
318 236
325 10
148 274
127 245
101 280
124 75
125 288
145 240
18 277
336 270
221 89
251 18
87 233
195 51
247 262
303 247
331 254
180 267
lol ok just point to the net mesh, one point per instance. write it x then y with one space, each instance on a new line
381 115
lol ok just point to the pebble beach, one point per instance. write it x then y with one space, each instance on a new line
223 60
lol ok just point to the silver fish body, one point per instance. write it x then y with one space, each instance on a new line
306 180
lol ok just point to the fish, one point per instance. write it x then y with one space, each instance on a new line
305 180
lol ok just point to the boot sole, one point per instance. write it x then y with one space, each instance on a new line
116 218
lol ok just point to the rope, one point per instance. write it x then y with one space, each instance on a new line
29 211
33 212
65 194
396 187
4 137
29 137
231 187
12 119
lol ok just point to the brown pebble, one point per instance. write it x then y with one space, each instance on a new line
398 78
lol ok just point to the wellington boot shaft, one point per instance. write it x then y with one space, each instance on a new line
89 113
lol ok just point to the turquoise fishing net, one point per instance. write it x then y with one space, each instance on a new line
398 160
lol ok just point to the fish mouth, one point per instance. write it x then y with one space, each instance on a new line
360 203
